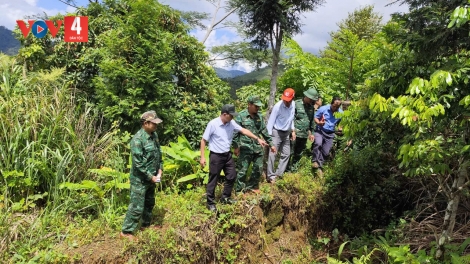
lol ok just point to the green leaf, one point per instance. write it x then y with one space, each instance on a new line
465 148
187 178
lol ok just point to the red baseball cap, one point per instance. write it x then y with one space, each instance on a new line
288 94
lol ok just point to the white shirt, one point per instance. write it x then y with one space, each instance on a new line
282 117
220 135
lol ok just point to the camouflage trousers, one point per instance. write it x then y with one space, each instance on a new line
297 149
244 182
140 207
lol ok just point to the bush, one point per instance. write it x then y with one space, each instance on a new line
362 191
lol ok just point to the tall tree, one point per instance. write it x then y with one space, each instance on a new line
268 22
363 22
348 49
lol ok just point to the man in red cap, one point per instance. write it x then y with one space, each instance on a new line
280 126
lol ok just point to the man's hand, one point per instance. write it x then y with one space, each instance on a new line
311 137
262 142
154 179
293 136
319 122
202 161
273 149
236 151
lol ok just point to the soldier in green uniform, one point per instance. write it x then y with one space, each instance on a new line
147 167
247 149
304 125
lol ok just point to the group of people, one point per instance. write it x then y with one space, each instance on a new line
248 134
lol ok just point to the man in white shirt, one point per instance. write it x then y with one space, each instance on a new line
280 126
219 134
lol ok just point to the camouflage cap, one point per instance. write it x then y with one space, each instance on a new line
312 94
255 100
150 116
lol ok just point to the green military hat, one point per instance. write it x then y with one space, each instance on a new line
150 116
312 94
255 100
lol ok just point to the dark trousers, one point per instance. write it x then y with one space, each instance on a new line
298 148
217 163
322 146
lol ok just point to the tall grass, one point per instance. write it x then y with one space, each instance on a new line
48 135
44 133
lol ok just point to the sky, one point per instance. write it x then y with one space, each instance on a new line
316 25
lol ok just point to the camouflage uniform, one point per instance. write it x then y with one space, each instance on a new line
146 161
250 150
303 123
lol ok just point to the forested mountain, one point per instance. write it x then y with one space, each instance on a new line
8 44
249 78
223 73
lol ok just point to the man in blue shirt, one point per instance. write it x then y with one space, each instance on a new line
280 126
219 134
325 131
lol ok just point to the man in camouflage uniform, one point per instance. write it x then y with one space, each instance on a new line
146 164
248 150
304 125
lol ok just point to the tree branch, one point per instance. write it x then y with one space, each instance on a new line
227 58
213 23
226 15
68 3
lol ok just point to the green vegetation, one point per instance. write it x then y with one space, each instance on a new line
126 69
398 195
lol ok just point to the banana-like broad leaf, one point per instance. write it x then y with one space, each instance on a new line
187 178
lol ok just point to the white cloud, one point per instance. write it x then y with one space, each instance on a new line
70 9
317 25
19 9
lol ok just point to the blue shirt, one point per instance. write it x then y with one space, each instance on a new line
281 118
330 120
220 135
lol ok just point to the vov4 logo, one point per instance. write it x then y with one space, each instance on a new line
75 28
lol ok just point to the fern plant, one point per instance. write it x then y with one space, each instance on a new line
364 259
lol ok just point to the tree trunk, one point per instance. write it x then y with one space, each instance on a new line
350 76
211 26
213 23
451 210
274 72
276 48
